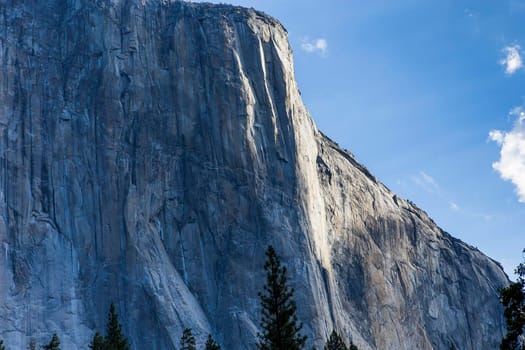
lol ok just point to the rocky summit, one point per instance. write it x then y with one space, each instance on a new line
150 151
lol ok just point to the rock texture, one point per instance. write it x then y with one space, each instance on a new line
149 153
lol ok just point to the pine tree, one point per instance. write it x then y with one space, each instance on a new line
98 342
335 342
280 328
2 346
54 344
32 344
352 346
187 341
211 344
513 300
115 340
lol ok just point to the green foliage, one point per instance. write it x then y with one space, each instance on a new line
98 342
211 344
2 346
513 300
54 344
32 344
352 346
335 342
280 328
187 341
114 339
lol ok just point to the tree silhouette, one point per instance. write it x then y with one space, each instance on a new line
54 344
115 340
280 328
98 342
187 341
211 344
513 299
335 342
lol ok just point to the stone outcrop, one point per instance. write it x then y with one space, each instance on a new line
150 151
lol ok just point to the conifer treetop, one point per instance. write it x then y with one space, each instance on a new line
280 327
187 341
115 340
335 342
54 344
211 344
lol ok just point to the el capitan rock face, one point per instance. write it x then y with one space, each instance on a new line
152 150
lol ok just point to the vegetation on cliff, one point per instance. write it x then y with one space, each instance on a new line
513 299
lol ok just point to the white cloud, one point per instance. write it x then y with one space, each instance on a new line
469 13
426 182
454 206
518 112
318 45
512 61
511 165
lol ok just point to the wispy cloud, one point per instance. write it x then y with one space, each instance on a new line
317 45
512 61
470 213
426 182
511 165
431 186
469 13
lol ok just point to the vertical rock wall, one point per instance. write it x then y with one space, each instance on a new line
149 153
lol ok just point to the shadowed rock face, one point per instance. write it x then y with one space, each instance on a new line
152 150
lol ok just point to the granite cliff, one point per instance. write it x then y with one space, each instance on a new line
151 150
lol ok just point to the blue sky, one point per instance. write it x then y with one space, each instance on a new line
429 96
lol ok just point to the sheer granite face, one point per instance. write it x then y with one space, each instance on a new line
152 150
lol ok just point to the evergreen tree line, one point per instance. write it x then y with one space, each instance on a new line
279 324
54 344
115 340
